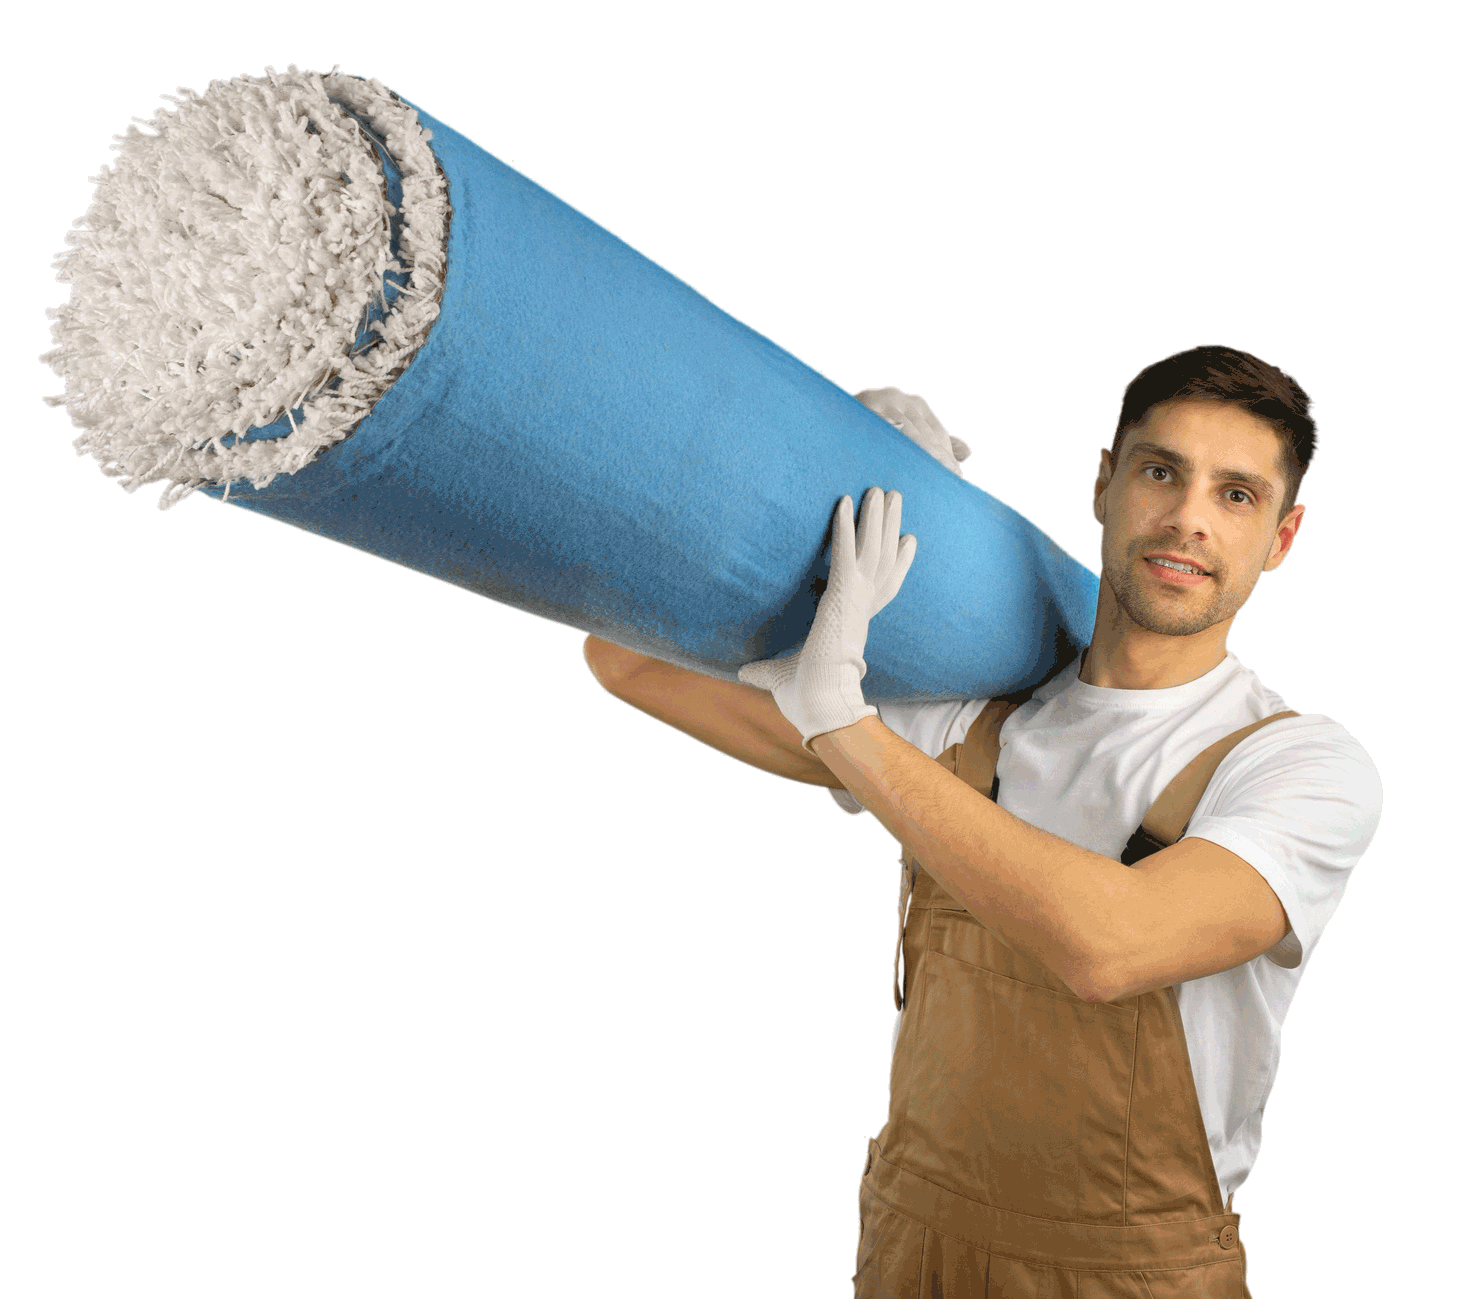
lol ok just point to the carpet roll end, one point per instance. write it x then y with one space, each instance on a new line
255 271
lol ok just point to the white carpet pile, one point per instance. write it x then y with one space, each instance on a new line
221 276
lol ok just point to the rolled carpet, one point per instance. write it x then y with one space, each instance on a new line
304 296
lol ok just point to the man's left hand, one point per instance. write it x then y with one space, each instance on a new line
819 689
913 417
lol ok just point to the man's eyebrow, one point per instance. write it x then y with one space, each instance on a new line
1261 486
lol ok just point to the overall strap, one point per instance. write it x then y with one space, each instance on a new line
906 890
1172 810
974 758
981 748
974 761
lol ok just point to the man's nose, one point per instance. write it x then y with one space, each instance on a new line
1188 514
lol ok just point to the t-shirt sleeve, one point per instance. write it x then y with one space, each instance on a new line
931 727
1300 801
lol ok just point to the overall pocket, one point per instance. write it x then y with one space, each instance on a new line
1015 1094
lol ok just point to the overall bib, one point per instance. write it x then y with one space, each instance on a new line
1039 1146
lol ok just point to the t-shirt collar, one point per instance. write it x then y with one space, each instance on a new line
1070 684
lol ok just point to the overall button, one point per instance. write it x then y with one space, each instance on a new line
1228 1238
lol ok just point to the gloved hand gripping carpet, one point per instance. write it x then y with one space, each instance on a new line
304 296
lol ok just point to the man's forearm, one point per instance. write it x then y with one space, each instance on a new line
1060 904
734 719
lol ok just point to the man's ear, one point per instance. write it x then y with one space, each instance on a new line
1284 536
1104 477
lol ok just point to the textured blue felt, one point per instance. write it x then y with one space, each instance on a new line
585 437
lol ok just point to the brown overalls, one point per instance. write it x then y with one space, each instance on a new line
1039 1145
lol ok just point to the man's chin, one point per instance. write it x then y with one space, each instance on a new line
1153 617
1177 630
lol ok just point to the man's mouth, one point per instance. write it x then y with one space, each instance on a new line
1175 572
1182 568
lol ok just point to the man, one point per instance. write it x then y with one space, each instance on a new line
1087 1045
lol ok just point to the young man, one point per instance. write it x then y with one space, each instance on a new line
1086 1045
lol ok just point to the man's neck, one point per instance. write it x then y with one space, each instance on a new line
1125 656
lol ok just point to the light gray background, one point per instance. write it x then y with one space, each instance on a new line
355 943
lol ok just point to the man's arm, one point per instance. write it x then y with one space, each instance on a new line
1105 929
732 718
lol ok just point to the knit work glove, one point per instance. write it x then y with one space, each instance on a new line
912 416
819 689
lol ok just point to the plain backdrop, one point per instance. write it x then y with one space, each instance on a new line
354 942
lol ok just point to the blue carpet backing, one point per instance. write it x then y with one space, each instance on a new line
584 437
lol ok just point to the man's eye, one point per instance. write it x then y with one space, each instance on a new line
1244 497
1156 469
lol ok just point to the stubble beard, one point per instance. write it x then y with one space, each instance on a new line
1178 615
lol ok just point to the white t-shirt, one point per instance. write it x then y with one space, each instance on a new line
1299 800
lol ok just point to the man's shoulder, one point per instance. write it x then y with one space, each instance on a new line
1310 742
1308 750
1308 734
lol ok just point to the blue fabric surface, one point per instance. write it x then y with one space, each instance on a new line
585 437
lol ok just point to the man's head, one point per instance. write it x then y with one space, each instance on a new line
1208 456
1224 374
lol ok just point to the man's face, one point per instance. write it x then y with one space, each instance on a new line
1198 483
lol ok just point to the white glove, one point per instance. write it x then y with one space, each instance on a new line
912 416
818 689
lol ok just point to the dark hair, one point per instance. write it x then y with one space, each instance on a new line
1224 374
